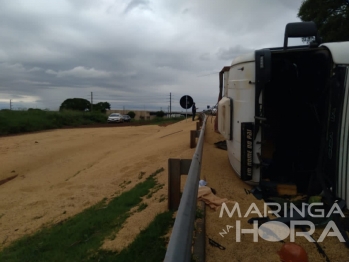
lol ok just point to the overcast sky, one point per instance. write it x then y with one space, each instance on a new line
130 53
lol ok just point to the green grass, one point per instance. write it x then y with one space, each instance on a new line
141 207
154 190
162 198
14 122
80 237
199 213
149 245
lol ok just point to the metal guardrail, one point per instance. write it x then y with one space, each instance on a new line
179 247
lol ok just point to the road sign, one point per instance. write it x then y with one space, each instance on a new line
186 102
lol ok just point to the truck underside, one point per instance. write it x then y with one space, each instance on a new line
294 109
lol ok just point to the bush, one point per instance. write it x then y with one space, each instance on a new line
131 114
35 109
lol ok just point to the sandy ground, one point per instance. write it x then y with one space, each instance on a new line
59 173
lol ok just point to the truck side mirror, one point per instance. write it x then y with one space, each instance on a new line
301 29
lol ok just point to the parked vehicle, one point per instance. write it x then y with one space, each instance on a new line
126 118
284 113
115 117
210 110
214 110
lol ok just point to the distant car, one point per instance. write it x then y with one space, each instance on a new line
214 110
211 110
115 117
126 118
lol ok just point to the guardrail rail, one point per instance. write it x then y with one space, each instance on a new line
180 245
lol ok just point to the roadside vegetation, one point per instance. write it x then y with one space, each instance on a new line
15 122
79 238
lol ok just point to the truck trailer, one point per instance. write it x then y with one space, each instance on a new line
284 113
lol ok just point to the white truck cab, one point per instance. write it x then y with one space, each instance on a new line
284 113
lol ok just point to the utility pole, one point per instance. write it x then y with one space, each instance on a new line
10 104
91 100
170 105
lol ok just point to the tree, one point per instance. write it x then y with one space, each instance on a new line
330 16
101 107
160 113
78 104
131 114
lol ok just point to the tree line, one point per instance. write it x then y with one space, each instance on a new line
330 16
81 104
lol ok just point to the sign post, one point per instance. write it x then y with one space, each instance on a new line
186 113
186 102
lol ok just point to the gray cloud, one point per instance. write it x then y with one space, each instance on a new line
231 52
143 4
80 72
130 53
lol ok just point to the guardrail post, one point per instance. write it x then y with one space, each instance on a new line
195 133
192 138
176 168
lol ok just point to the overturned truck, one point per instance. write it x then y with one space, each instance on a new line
284 113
